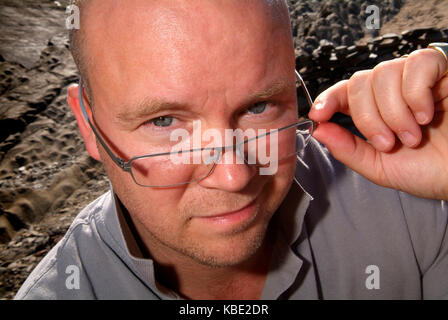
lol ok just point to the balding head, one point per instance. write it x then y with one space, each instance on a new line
278 10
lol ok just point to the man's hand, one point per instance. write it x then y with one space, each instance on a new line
401 107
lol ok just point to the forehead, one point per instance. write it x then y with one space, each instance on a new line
168 43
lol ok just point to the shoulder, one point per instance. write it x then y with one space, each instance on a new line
51 277
353 223
385 213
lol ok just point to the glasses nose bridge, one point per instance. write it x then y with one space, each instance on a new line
238 148
227 151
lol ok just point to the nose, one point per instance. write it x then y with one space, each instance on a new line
231 176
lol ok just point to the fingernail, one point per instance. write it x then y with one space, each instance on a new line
380 142
319 106
421 117
407 138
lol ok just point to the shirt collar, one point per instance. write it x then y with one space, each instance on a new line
286 264
112 233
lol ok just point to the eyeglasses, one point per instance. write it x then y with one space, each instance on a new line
183 165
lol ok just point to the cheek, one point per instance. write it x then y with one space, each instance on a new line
148 205
277 189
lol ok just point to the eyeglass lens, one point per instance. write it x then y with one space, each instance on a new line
253 149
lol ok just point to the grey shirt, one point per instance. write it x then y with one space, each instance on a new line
339 236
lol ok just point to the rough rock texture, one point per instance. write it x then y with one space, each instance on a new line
46 176
329 64
339 22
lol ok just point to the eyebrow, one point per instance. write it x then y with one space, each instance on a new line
273 90
149 106
145 108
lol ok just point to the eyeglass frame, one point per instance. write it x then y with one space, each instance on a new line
126 166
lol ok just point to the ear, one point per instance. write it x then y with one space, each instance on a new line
84 127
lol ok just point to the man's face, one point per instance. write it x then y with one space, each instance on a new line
212 61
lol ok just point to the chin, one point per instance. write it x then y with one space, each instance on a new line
228 251
226 258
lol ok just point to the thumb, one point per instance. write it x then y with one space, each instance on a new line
351 150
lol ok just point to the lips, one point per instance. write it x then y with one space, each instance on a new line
226 214
232 218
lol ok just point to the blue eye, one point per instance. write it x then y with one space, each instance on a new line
258 108
162 121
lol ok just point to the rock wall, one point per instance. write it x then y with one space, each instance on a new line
341 22
329 64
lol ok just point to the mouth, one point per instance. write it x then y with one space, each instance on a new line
232 218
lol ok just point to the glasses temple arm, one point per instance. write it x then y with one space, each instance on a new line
120 162
302 83
307 93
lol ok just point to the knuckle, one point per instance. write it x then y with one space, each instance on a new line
393 118
383 68
416 96
422 54
429 58
360 75
365 121
412 92
357 80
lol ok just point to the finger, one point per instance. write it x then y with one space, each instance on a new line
387 87
423 68
351 150
364 112
442 105
329 102
440 91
